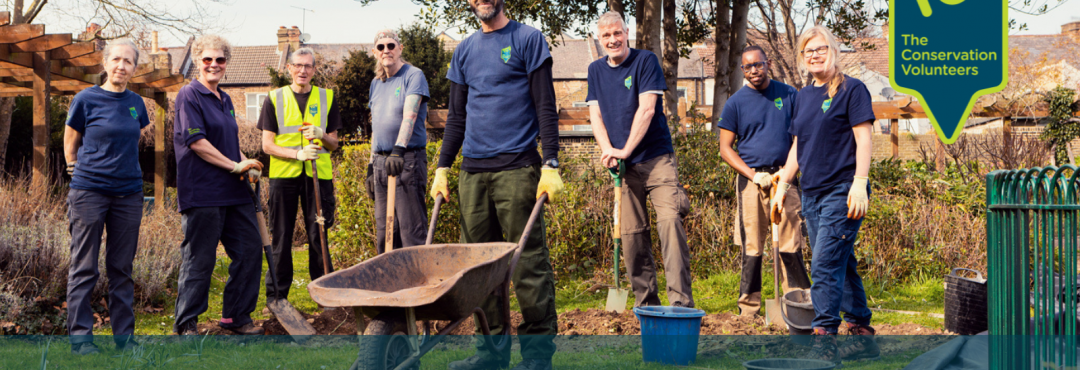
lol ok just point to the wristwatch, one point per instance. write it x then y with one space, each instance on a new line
552 163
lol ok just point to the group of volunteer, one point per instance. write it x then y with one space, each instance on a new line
501 101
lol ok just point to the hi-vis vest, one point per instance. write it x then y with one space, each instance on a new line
289 120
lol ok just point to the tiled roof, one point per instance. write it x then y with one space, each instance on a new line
571 59
337 52
1055 47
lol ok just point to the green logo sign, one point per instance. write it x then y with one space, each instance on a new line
231 113
779 103
948 53
629 81
506 54
825 105
193 131
397 92
134 113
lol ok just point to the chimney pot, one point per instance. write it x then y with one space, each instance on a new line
1071 28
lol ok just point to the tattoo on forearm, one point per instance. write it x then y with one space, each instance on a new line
409 114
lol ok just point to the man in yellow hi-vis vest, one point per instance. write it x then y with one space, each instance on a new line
295 120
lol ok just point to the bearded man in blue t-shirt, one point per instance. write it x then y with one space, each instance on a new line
501 98
630 126
759 115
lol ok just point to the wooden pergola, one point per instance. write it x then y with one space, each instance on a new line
33 63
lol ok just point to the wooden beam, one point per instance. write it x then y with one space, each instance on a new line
159 149
142 69
894 137
20 32
172 80
42 43
42 78
156 75
87 60
15 60
73 51
5 18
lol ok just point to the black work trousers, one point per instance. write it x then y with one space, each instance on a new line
286 195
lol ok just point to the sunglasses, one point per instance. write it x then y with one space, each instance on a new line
390 46
208 60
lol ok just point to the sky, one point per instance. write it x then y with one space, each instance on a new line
255 22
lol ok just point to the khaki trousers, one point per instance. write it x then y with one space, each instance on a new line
657 179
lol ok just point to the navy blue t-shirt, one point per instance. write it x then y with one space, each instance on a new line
760 121
387 103
822 126
110 124
616 90
500 113
201 115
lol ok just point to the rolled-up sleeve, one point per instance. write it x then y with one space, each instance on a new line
189 120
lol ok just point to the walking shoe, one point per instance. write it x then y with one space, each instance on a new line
860 344
189 329
533 364
126 343
476 362
824 346
87 348
247 329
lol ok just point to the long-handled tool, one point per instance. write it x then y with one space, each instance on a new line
391 202
773 309
286 314
318 213
616 298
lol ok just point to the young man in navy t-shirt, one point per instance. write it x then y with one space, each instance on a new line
629 124
758 115
501 98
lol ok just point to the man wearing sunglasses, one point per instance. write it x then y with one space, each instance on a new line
299 124
501 99
758 116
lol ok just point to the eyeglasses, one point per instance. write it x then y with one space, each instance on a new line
758 65
220 60
820 50
303 66
388 45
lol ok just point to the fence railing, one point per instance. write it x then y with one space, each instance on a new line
1032 230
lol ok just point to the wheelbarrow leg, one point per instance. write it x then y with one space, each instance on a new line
361 324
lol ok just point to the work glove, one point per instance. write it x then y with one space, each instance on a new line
395 163
308 153
71 168
312 132
550 183
246 165
254 175
369 180
440 185
776 204
857 200
763 180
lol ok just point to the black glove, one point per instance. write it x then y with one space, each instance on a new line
395 163
369 180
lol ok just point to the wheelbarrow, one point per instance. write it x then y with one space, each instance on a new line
446 282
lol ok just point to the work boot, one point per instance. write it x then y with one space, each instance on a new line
87 348
476 362
247 329
533 364
125 342
860 344
189 329
824 347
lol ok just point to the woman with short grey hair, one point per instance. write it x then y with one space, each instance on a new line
101 146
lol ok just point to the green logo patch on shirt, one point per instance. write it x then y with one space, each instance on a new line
134 113
193 131
506 54
397 92
825 105
779 103
629 81
314 109
232 113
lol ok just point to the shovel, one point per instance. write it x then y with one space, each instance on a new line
772 306
318 213
616 296
287 315
391 202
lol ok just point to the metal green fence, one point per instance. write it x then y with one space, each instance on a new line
1032 230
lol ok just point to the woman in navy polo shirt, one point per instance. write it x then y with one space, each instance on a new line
101 146
215 204
831 122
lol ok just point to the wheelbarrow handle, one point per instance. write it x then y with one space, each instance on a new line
536 213
434 217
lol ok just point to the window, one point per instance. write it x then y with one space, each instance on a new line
254 105
682 94
580 104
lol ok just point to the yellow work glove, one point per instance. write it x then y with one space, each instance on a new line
246 165
550 183
858 202
312 132
440 185
308 153
763 180
776 204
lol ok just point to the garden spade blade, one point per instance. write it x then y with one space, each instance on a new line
616 296
286 314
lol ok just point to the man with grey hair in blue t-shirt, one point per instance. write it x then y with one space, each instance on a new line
758 115
629 124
